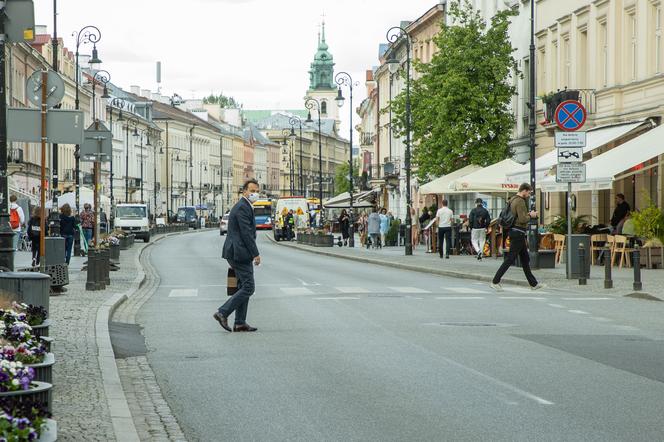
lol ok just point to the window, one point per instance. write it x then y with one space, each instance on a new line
603 53
554 66
582 65
656 32
323 107
631 54
567 63
541 71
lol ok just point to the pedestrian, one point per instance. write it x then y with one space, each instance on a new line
518 207
619 213
103 221
344 226
87 217
362 229
444 219
16 220
289 225
479 220
373 228
384 225
34 234
425 217
68 226
240 250
414 231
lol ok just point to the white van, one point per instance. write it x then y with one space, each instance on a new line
300 209
133 218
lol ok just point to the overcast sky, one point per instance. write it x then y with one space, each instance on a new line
257 51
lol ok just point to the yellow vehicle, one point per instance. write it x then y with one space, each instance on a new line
263 214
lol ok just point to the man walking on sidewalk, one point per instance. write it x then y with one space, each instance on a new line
240 250
518 207
479 219
444 218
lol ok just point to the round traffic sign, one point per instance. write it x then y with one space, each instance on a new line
55 88
570 115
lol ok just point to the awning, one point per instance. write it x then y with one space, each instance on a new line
342 201
595 139
602 170
441 185
489 179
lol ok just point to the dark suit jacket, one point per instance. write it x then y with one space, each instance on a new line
240 244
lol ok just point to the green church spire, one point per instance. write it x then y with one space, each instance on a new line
322 68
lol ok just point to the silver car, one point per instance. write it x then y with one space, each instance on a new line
223 225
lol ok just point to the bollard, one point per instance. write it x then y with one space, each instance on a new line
608 282
105 264
636 262
582 263
91 282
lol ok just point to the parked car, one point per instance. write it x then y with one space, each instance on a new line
223 225
133 218
188 215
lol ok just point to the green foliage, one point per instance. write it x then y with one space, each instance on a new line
460 102
222 100
649 223
559 224
341 183
547 98
392 233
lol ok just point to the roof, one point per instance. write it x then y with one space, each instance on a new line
161 111
253 132
281 121
253 116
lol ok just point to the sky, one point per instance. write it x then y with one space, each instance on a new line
257 51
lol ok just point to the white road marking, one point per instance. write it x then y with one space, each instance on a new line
296 291
601 319
556 305
578 312
468 290
587 299
352 290
337 298
522 297
626 327
408 290
304 283
459 297
183 293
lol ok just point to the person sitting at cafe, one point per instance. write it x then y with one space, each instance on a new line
620 212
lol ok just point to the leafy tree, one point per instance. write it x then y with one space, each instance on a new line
222 100
460 102
341 183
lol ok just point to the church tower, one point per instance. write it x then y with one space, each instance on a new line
321 80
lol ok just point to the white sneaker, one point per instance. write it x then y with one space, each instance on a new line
538 286
497 287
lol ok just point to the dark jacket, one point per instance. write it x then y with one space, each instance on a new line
67 225
620 213
519 207
240 244
34 229
479 218
424 218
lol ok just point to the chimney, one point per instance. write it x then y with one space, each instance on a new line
136 90
146 93
369 75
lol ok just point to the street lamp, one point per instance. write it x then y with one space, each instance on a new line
87 34
533 240
393 35
201 164
311 103
295 120
289 135
130 122
191 168
344 79
145 132
102 77
159 143
120 103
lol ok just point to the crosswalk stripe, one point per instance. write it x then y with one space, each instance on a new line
408 290
352 290
183 293
296 291
459 297
468 290
521 297
578 312
337 298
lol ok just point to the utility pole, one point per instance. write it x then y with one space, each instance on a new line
533 240
54 221
6 233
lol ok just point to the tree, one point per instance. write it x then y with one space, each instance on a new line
222 100
460 102
341 183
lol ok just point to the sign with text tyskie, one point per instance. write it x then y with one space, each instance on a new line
571 173
570 116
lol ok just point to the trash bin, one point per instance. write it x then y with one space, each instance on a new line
575 268
28 287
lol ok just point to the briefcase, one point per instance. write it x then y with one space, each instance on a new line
231 282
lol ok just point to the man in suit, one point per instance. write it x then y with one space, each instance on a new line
240 250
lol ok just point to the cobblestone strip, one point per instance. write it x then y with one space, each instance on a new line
152 415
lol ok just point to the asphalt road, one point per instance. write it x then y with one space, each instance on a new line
353 352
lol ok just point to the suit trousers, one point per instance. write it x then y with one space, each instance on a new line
445 233
238 303
517 248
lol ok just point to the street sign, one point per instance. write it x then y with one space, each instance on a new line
64 126
571 173
20 20
55 89
570 139
570 115
570 155
98 144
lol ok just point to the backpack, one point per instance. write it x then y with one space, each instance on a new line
14 219
506 218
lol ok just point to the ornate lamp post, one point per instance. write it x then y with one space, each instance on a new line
344 79
87 34
159 143
191 167
293 121
395 34
145 132
289 159
115 102
130 122
202 166
311 103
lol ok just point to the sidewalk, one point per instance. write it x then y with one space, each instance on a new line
468 267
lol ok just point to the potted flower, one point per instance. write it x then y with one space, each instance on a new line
17 382
649 226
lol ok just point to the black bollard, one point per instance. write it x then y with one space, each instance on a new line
105 263
636 262
582 263
608 282
91 282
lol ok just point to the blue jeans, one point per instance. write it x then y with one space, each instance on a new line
87 233
69 242
238 303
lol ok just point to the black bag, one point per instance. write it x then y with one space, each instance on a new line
231 282
506 218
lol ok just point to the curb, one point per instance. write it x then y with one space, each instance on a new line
121 418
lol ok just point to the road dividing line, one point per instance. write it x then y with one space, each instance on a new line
556 305
466 290
337 298
296 291
183 293
578 312
352 290
601 319
408 290
522 297
459 297
626 327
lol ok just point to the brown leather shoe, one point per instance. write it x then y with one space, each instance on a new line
222 321
244 328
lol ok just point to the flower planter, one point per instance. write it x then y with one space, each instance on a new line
323 241
47 341
44 370
115 252
124 243
39 392
49 431
41 329
132 239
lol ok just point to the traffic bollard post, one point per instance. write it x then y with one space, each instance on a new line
608 282
636 262
582 263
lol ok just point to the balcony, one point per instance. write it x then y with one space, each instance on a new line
15 155
134 183
367 138
391 167
551 101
